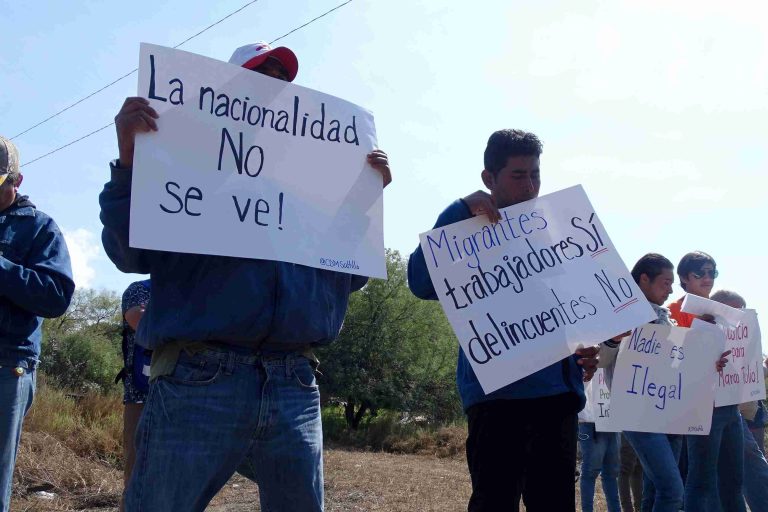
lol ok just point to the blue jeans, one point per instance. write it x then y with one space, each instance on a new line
222 411
599 456
16 394
755 473
662 484
716 465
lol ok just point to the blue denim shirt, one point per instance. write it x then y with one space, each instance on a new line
222 299
35 280
562 377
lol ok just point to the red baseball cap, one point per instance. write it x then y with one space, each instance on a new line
253 55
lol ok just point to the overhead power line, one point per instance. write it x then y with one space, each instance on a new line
94 132
129 74
309 22
110 84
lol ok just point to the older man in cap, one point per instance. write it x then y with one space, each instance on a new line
232 381
35 281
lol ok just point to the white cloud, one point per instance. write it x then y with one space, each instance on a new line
84 247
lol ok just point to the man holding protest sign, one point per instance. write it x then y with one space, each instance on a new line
522 437
658 453
232 377
35 281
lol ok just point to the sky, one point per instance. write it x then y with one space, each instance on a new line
657 108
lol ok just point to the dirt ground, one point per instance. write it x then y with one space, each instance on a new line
354 481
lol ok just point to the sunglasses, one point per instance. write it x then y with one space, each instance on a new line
703 273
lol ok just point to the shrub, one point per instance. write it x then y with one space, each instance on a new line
82 361
392 432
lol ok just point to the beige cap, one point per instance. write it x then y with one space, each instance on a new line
9 156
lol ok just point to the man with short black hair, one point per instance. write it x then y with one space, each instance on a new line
35 281
232 380
658 453
522 437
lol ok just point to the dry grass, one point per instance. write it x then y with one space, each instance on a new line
361 481
71 447
45 464
90 425
445 442
355 481
367 481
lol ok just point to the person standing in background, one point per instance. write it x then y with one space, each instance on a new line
755 463
630 478
35 282
135 372
599 457
715 475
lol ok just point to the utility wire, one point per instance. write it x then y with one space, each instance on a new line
215 23
309 22
124 76
72 105
94 132
128 74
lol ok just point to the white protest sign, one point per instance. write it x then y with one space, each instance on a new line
250 166
664 380
527 291
742 379
599 401
722 313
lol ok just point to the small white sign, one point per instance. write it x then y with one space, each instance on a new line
250 166
722 313
742 380
526 292
599 401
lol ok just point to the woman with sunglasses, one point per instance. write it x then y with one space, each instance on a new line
697 272
716 461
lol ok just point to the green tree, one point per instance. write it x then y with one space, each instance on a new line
395 351
90 310
84 360
81 349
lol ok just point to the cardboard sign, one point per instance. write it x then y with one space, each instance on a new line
664 380
526 292
742 380
250 166
722 313
598 407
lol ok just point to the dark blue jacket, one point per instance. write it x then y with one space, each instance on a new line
222 299
562 377
35 280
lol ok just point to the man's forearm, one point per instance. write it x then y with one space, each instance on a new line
37 290
115 202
